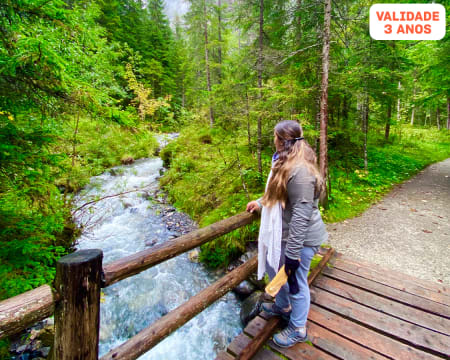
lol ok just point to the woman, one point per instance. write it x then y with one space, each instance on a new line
290 203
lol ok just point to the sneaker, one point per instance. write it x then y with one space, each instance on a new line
273 309
290 336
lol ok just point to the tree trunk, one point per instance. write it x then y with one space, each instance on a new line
239 40
183 95
438 120
339 113
388 121
398 102
74 142
260 69
317 123
208 75
318 97
219 10
365 127
247 110
324 99
413 106
448 112
345 112
299 22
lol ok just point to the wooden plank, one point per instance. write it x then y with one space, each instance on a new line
259 340
266 354
142 260
366 337
358 333
21 311
389 292
301 351
338 345
426 284
265 333
224 356
298 351
390 307
389 278
255 326
163 327
415 335
239 344
321 265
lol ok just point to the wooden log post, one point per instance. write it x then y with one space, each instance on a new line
77 313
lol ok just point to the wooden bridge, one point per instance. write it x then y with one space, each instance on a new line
358 311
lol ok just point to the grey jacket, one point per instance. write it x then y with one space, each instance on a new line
302 223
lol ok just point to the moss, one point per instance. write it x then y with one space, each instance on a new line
280 355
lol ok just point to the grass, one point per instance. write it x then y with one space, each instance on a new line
100 144
389 163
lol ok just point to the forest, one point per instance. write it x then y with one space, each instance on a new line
86 84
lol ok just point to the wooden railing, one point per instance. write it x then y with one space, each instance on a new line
75 302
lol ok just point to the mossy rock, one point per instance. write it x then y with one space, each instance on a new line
251 307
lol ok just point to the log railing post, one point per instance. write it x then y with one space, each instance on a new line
77 313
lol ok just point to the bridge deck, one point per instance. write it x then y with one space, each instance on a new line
362 311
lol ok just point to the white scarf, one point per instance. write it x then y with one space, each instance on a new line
269 238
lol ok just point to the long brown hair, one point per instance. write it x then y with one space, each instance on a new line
293 153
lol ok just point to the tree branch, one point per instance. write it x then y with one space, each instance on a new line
296 52
105 197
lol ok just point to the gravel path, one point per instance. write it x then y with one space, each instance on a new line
408 230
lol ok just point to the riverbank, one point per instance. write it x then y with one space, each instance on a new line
37 226
122 225
36 211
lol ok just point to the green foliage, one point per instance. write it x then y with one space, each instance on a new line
4 349
35 225
66 110
207 184
100 144
315 261
145 29
32 212
354 189
64 116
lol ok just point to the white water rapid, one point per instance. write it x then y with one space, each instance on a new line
121 226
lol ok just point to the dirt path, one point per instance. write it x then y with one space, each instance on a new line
408 230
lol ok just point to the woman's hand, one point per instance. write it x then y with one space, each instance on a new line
252 206
290 267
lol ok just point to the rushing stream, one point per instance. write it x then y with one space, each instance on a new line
129 223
